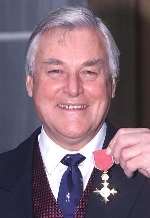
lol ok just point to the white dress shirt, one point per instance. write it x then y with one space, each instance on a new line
52 154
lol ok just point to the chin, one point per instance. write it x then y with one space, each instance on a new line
73 134
76 135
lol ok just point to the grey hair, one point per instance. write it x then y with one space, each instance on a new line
69 18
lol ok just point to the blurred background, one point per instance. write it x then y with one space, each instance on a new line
129 22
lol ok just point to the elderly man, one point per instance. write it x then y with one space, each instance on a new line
71 74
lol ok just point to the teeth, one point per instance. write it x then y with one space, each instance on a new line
72 107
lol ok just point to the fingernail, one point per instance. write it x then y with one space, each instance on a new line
116 161
108 150
129 175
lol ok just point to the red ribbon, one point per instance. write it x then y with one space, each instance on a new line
103 161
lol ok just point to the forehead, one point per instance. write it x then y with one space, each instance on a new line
62 35
61 41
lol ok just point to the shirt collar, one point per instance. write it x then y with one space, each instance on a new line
52 153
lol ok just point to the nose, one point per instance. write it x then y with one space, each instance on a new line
73 86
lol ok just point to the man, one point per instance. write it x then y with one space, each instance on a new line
72 69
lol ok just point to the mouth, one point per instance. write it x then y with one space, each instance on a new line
71 107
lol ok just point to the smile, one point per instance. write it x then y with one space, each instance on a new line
72 106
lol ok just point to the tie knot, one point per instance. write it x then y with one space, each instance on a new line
72 159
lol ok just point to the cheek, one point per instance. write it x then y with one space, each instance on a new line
41 88
41 97
100 91
101 97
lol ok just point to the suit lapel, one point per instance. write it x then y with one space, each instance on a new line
22 196
128 189
122 203
17 179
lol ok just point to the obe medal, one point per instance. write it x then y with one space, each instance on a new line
104 162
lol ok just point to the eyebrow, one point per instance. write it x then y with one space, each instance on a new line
53 61
88 63
92 62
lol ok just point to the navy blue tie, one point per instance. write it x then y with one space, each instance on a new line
71 185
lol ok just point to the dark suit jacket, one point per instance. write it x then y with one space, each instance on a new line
131 201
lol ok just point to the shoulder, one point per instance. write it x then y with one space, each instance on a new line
13 158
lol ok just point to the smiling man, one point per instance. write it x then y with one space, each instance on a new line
71 73
71 85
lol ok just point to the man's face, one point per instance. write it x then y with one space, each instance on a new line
71 86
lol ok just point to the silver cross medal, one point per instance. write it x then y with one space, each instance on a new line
104 162
105 191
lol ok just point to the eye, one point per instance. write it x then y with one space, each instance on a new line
90 74
55 71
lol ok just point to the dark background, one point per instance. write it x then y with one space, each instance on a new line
129 22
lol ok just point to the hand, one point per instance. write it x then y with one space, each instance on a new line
130 148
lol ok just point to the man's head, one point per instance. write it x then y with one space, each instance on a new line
71 66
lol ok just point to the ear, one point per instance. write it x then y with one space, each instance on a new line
114 84
29 85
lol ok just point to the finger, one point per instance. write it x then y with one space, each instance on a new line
128 153
145 172
128 140
140 162
132 151
123 131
